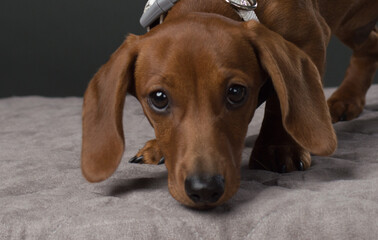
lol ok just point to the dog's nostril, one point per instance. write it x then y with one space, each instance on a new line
215 195
204 189
195 197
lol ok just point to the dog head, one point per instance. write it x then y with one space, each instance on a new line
198 80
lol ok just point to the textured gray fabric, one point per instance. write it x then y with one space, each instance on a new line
44 196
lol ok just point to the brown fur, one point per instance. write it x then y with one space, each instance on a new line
202 48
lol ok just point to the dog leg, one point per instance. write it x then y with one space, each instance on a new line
275 150
149 154
348 101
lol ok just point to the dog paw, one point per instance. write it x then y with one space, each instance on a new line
149 154
344 107
282 159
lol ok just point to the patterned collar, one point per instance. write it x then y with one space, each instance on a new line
156 9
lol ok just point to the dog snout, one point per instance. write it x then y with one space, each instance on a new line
204 189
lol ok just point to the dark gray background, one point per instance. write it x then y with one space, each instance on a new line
53 47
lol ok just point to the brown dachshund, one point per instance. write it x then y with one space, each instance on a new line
200 75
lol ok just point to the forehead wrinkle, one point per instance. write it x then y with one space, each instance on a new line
163 78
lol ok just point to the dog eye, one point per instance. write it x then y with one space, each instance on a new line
236 94
158 100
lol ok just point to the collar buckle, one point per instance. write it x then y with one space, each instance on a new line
154 9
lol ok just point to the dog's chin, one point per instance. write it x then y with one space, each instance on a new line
201 206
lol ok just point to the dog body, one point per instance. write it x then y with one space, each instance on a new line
200 76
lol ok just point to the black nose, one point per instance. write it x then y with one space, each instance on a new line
204 189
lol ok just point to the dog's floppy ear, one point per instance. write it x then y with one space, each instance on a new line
297 82
103 139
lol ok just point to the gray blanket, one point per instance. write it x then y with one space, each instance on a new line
44 196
